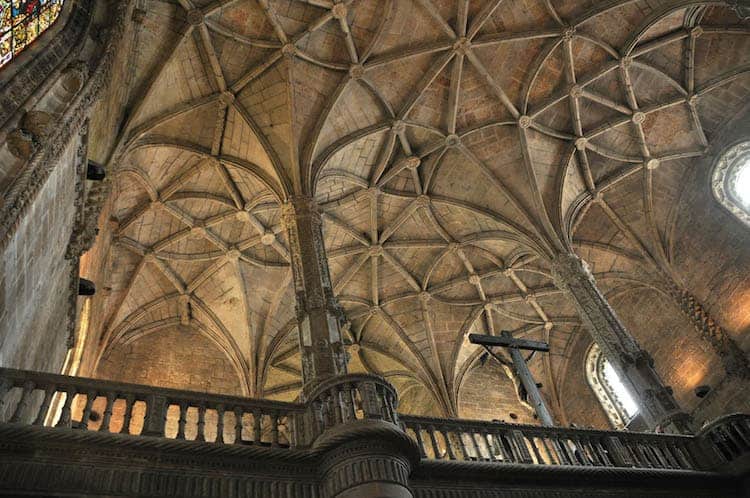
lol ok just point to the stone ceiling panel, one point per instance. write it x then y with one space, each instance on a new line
452 146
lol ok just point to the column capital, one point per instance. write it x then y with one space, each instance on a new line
567 266
298 207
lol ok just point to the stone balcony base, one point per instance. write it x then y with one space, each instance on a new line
42 461
438 479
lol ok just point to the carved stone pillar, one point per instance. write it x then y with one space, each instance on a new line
634 365
318 314
366 468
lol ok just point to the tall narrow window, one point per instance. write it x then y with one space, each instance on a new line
614 397
731 180
22 21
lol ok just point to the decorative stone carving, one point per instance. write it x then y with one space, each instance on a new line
226 98
318 313
347 441
356 71
462 46
195 17
634 365
26 185
366 468
20 143
36 123
741 8
74 77
724 176
59 49
339 11
289 50
452 140
733 358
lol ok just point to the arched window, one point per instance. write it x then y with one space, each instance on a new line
731 180
615 398
22 21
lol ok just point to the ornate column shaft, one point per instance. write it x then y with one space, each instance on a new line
634 365
318 313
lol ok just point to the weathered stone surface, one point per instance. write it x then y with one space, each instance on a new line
446 166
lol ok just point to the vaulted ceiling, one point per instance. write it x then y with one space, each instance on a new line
452 145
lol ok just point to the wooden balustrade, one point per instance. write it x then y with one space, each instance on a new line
446 439
103 406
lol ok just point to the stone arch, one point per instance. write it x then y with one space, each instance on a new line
618 410
730 181
177 357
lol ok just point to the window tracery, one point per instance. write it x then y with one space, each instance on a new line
731 180
21 22
614 397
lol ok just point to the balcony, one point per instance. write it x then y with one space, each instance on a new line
75 435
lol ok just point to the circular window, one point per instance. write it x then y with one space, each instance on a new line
731 180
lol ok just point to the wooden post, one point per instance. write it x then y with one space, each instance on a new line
514 347
524 374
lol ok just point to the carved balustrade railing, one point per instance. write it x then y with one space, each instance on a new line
449 439
344 400
729 437
351 402
73 402
90 404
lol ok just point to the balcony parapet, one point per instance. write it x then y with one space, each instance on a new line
43 399
479 441
349 408
727 443
348 405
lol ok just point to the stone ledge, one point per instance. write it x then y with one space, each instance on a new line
567 475
24 439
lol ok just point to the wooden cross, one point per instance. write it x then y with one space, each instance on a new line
514 347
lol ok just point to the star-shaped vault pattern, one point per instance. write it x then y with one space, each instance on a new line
453 147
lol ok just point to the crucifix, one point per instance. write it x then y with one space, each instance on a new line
514 347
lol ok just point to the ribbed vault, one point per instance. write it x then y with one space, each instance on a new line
453 147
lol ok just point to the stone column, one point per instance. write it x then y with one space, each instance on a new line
367 468
318 314
634 365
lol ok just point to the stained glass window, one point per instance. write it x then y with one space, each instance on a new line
22 21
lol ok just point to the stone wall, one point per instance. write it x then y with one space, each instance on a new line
489 394
711 246
576 396
723 399
181 359
36 278
712 257
682 359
